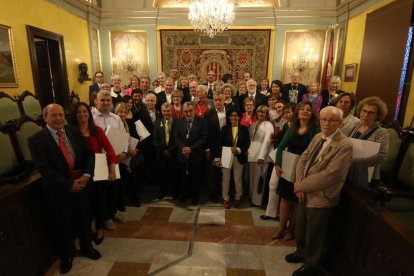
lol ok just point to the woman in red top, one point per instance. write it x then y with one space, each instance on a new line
81 117
248 117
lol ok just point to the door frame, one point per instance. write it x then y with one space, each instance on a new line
32 33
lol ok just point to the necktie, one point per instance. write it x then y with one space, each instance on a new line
65 150
167 133
315 153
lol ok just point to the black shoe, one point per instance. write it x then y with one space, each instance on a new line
194 201
97 240
65 265
91 253
264 217
308 271
121 209
294 257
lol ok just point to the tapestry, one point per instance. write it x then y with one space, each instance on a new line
233 51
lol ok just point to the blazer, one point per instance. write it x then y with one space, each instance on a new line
326 176
94 87
260 99
195 139
159 137
51 163
243 141
285 92
212 124
263 135
161 98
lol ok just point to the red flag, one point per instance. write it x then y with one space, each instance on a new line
327 69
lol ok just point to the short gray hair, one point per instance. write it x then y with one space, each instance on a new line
166 105
103 93
203 88
188 104
335 110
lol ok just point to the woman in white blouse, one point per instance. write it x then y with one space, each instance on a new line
261 132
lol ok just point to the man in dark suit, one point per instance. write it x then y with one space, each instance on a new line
190 137
99 79
214 120
166 149
165 96
211 79
294 91
66 163
320 174
258 97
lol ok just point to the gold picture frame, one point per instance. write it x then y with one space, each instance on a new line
350 72
129 54
8 70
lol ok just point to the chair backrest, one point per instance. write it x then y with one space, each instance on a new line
8 162
30 105
406 171
24 129
394 147
9 109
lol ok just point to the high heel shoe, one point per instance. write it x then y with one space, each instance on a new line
280 235
97 240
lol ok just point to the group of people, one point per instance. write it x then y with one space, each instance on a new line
189 124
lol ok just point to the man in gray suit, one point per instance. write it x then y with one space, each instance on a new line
320 174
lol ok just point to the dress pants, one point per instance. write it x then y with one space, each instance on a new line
254 172
273 202
190 180
213 174
99 201
168 175
70 216
238 180
312 232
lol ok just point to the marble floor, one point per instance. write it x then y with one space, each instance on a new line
161 238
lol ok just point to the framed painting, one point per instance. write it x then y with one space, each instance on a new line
129 53
8 71
350 72
96 51
303 51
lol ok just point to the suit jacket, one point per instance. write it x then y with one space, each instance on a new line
212 123
159 137
161 98
196 139
51 163
243 141
326 176
94 87
260 99
285 92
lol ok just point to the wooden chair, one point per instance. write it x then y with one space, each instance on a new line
23 129
9 109
9 162
30 105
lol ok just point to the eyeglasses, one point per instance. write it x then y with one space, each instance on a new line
329 121
99 76
188 111
369 113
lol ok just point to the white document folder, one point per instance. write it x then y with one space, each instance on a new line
254 150
101 168
364 149
289 161
141 130
118 139
227 157
272 155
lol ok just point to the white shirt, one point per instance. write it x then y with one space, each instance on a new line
103 121
222 117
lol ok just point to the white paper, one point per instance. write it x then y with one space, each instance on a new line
254 150
289 161
118 139
364 149
226 157
132 142
101 168
272 155
141 130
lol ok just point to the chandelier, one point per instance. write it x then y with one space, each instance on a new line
211 16
305 59
126 61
